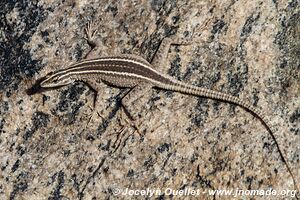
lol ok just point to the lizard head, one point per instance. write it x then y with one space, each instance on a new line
56 80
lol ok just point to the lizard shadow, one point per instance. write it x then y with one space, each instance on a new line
36 87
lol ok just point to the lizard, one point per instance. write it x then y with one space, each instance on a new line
133 71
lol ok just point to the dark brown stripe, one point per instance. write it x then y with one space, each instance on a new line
116 66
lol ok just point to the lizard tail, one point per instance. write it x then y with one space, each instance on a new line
202 92
197 91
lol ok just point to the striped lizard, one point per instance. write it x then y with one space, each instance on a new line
132 71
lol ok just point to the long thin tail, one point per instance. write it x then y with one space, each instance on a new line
202 92
198 91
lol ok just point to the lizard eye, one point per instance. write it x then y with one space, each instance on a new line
55 80
49 74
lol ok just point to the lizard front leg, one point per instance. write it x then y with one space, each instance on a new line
90 36
95 86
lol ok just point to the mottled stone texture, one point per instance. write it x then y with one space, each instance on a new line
50 150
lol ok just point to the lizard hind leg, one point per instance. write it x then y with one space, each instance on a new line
130 99
160 57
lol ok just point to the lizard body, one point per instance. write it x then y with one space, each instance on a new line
131 71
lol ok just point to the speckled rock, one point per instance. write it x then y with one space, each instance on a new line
50 149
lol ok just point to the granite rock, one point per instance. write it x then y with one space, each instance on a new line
50 149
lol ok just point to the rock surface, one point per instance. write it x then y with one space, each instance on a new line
50 150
